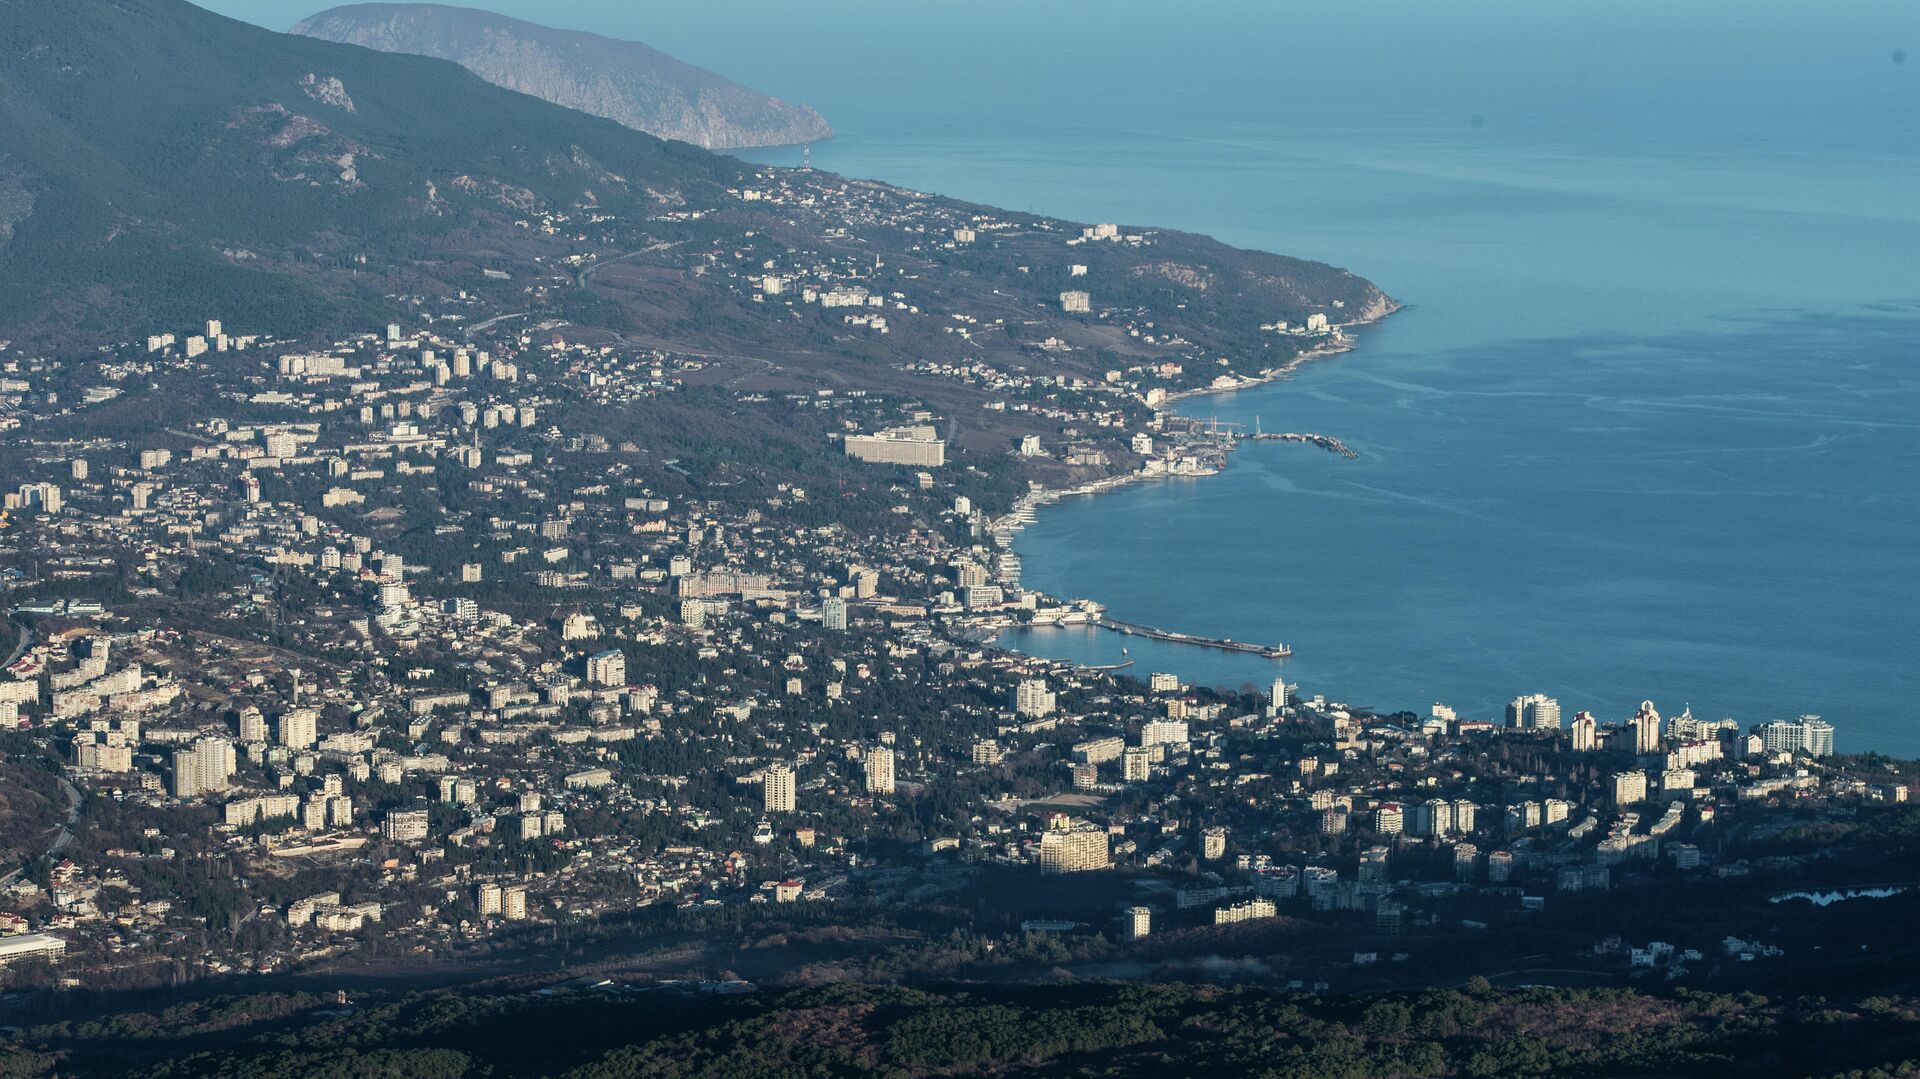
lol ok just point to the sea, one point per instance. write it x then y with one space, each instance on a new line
1647 426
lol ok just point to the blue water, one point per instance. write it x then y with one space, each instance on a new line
1648 425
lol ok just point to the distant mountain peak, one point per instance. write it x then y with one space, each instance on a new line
625 81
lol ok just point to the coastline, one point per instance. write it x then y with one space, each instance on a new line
1026 508
1335 347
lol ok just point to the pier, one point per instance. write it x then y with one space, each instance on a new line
1228 433
1325 442
1269 651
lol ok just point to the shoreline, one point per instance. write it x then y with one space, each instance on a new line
1335 347
1026 508
1004 528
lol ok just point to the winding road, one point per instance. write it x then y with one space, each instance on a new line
20 649
469 331
580 278
62 838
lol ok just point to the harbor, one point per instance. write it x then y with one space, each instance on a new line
1325 442
1202 447
1133 629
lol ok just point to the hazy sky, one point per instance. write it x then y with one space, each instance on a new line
1699 76
1796 57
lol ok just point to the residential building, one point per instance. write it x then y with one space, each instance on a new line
404 825
1585 731
1535 711
1161 732
205 767
878 766
833 613
777 794
1139 922
1809 736
608 668
1032 698
1213 844
1073 848
1629 787
299 728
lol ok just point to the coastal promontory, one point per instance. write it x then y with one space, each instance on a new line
626 81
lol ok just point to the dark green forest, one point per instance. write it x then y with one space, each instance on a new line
173 164
1078 1029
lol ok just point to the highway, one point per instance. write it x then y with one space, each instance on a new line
477 327
586 272
20 649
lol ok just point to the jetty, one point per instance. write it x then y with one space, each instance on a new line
1325 442
1226 433
1269 651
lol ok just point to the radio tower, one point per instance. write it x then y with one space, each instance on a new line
806 157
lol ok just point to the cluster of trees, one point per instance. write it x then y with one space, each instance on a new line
31 805
1067 1029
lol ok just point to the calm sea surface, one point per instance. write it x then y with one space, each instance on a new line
1650 425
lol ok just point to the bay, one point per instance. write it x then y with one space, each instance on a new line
1647 428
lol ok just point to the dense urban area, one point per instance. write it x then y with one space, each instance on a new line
423 653
521 598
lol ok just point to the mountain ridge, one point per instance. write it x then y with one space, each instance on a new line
163 160
626 81
170 166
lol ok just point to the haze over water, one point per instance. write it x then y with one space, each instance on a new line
1648 426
